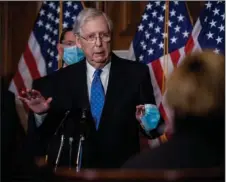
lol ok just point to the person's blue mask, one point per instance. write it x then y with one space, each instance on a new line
72 55
151 117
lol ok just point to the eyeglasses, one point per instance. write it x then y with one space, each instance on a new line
104 37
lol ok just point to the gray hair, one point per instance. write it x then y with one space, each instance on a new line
88 14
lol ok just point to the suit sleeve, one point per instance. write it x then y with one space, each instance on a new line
147 97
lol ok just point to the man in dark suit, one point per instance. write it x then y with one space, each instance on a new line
195 91
121 87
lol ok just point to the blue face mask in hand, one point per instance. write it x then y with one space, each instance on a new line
151 117
72 55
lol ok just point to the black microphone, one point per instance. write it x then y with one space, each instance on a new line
62 121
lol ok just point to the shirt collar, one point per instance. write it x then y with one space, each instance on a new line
91 69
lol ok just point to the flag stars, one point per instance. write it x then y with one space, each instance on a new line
50 64
164 35
157 29
176 2
151 24
219 40
154 14
164 7
47 26
180 18
209 35
208 5
149 6
157 3
51 54
173 13
223 16
67 14
221 28
73 18
140 27
185 34
51 5
55 32
46 36
161 18
150 51
75 7
57 20
206 18
153 40
161 45
49 15
217 51
212 23
54 43
177 29
69 3
170 23
40 23
65 24
58 9
144 17
216 11
147 35
144 47
141 57
173 40
42 12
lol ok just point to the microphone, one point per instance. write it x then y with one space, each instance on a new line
62 121
59 151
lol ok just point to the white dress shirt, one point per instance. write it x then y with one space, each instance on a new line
90 75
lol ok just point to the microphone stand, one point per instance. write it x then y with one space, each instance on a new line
81 140
59 152
61 140
79 153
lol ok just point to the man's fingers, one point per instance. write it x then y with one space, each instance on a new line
49 100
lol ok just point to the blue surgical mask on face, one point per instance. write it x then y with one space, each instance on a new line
151 117
72 55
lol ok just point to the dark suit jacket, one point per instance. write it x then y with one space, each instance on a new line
12 133
117 137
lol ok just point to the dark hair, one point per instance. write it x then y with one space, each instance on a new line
64 32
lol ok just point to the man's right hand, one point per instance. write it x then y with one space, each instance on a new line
35 101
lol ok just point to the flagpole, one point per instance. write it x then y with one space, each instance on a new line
83 5
189 14
165 52
60 30
163 137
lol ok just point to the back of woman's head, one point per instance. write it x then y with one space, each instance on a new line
196 88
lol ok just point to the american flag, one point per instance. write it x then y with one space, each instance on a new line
40 56
208 32
149 48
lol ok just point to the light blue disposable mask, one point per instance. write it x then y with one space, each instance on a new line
151 117
72 55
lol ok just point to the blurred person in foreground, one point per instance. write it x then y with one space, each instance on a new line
196 93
